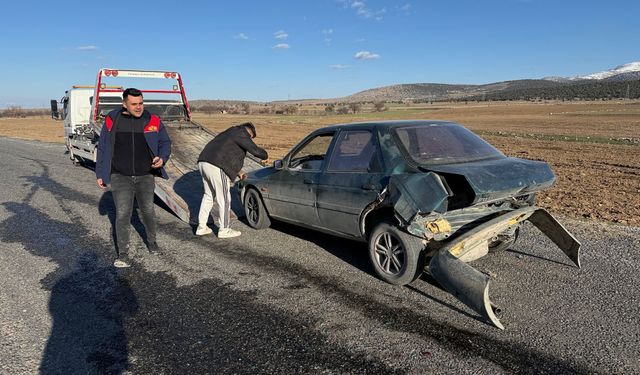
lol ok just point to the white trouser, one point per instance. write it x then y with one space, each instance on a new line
216 183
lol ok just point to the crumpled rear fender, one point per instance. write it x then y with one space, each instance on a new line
449 268
413 193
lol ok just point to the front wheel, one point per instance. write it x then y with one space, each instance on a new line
397 257
254 209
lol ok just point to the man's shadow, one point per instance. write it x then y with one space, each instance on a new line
89 308
88 301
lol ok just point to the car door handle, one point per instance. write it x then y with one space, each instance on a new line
370 186
307 181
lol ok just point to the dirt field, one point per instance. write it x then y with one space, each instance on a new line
594 148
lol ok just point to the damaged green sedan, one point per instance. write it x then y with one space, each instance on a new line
420 193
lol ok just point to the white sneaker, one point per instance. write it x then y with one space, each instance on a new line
228 233
201 231
122 262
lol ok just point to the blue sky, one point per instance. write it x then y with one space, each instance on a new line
300 49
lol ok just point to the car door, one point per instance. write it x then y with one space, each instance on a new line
292 191
350 181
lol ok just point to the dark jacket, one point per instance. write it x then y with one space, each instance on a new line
155 135
132 156
228 150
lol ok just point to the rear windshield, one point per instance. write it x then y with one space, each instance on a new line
443 144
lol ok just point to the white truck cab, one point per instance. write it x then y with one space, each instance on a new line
76 117
76 108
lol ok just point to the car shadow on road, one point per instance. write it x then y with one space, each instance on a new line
355 253
349 251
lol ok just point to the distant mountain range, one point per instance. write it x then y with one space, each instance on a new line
620 82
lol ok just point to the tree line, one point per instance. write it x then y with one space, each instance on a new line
580 91
287 109
19 112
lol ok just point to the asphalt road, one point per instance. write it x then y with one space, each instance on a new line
284 300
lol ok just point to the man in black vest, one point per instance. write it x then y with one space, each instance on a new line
133 148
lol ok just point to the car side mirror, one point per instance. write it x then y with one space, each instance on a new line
277 164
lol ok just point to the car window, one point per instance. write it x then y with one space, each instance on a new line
312 154
443 143
355 151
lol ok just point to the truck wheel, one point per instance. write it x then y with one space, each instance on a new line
397 257
504 242
254 209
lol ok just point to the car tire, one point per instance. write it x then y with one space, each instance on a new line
504 243
254 209
396 256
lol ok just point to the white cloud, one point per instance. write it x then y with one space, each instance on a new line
362 10
87 48
242 36
327 31
366 55
338 66
406 8
327 41
280 34
281 46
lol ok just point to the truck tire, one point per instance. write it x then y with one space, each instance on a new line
396 256
256 213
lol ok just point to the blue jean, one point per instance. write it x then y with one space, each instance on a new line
125 189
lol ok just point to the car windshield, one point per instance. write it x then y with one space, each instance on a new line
443 143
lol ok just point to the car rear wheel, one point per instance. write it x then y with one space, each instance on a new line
396 256
254 209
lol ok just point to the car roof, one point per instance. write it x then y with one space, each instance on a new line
385 124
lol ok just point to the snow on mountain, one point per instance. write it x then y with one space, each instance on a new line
626 68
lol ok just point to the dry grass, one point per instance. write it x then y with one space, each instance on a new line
38 128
